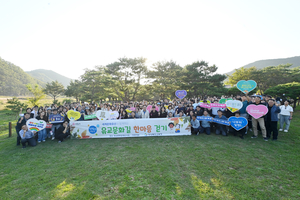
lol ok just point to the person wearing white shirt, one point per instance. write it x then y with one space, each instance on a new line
286 115
145 112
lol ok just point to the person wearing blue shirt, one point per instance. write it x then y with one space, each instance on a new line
205 125
221 128
27 136
195 125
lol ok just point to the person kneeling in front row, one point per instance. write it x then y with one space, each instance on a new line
62 132
27 136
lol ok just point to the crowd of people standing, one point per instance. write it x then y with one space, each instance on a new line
278 110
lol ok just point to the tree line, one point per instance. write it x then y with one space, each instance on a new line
130 79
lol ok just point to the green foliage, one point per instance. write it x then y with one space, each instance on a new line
291 90
15 105
67 101
74 90
38 94
13 80
54 89
166 79
126 75
235 91
201 79
266 77
240 74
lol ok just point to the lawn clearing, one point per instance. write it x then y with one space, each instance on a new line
183 167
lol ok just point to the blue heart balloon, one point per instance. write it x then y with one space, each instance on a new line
238 122
246 85
180 94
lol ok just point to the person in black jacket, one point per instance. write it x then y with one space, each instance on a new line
62 132
163 113
22 121
153 113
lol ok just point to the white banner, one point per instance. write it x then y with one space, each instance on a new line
130 128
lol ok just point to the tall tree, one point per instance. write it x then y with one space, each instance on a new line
37 92
95 84
74 89
166 79
200 78
54 89
240 74
127 74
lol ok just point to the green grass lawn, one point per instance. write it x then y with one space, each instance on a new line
183 167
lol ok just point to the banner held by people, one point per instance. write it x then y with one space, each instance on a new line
130 128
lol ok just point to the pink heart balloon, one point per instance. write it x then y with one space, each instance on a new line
257 111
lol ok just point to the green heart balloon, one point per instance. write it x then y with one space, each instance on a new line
224 100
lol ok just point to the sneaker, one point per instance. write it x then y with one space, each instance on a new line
274 139
251 129
280 129
39 141
265 139
242 137
23 147
285 131
53 138
44 140
59 141
253 136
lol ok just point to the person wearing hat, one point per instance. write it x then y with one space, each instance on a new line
260 121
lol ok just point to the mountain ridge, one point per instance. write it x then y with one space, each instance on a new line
48 76
260 64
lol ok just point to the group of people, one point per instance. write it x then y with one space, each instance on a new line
162 109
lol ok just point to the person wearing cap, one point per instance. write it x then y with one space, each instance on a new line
286 115
260 121
153 113
272 119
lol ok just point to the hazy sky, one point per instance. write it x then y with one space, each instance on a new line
69 36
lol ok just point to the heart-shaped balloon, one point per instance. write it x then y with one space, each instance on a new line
234 105
36 125
102 115
257 111
238 122
73 115
246 86
181 93
224 100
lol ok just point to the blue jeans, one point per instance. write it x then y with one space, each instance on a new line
285 119
48 132
221 128
54 127
205 129
42 135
